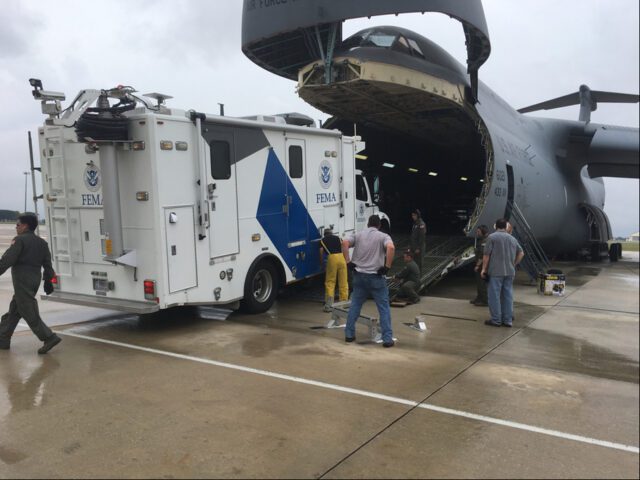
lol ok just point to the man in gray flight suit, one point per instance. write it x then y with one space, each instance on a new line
417 240
26 256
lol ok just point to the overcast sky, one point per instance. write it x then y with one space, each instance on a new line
190 49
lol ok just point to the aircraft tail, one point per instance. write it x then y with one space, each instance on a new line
587 99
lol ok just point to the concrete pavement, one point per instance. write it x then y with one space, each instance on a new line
188 395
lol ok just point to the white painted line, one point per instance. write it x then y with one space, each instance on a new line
364 393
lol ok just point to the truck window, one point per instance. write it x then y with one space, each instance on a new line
295 161
361 189
220 160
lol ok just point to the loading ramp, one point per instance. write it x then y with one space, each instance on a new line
443 254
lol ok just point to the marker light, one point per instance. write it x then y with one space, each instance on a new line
166 145
388 165
150 290
433 174
142 196
182 146
464 179
361 157
413 170
137 146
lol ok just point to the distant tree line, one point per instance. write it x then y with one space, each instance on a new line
8 215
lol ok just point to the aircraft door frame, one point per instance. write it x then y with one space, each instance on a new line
510 192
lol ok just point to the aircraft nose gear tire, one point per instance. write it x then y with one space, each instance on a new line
260 288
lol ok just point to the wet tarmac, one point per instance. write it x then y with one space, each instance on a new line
201 393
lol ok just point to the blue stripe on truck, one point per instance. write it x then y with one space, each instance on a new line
273 219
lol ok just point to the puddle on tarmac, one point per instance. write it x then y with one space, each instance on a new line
569 354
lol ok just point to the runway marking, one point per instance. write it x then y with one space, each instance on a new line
365 393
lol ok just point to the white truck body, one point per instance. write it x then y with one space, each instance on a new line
214 209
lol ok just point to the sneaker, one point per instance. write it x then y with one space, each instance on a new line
49 343
388 344
490 323
349 339
473 302
480 304
508 325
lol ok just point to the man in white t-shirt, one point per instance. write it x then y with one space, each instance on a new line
373 253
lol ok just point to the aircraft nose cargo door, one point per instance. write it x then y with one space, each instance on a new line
181 250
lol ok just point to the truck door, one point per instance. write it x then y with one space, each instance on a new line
297 222
363 206
297 216
223 204
181 249
347 186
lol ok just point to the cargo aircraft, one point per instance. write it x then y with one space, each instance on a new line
437 137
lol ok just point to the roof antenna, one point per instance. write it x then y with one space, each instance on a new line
221 109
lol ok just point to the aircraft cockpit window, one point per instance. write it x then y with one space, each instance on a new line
378 40
415 48
401 45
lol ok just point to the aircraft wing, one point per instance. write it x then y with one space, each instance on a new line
614 152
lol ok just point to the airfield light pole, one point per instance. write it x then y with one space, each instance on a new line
25 190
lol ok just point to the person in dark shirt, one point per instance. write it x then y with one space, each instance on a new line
331 246
410 277
482 232
26 256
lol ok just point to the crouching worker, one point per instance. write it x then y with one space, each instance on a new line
336 269
26 256
410 276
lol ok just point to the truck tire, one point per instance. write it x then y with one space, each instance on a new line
260 288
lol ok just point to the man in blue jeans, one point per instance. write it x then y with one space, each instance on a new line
373 253
502 253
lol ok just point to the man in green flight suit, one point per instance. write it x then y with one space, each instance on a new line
410 277
26 256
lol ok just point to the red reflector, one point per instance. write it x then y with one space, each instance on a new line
149 289
54 280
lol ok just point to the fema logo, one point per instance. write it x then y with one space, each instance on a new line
92 178
325 174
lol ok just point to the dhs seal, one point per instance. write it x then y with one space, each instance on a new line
325 174
92 178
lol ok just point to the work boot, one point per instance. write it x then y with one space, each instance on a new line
328 303
49 343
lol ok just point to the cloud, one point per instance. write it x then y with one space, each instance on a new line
18 26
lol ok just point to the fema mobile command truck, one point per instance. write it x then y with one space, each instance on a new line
150 207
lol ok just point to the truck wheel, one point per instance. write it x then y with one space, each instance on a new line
260 288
